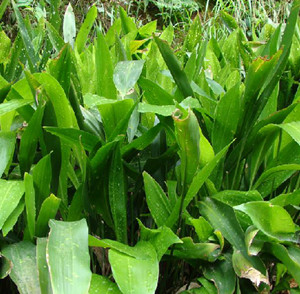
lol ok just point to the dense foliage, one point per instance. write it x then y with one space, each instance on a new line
127 167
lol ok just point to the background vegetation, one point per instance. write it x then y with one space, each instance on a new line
149 147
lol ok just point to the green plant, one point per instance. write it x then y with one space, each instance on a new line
162 170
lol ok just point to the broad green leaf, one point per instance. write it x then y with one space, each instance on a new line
11 105
289 256
273 220
56 40
42 175
68 257
73 136
154 94
104 69
188 138
41 255
226 119
178 74
48 211
103 285
69 26
203 229
11 193
30 204
85 29
126 74
7 147
24 272
136 275
13 218
222 274
118 195
30 139
234 198
33 58
287 199
60 68
222 217
190 250
194 34
244 269
293 129
160 238
148 29
274 177
157 201
164 110
201 176
112 113
128 24
229 20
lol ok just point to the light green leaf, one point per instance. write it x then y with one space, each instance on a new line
190 250
30 203
273 220
11 193
44 277
118 195
68 257
136 275
13 218
11 105
7 147
24 272
161 238
69 26
85 28
103 285
126 74
157 201
48 211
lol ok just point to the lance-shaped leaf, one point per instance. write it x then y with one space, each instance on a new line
157 201
24 272
85 29
69 26
273 220
188 138
11 193
118 195
178 74
48 211
104 69
30 203
30 139
202 175
68 257
7 147
33 58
